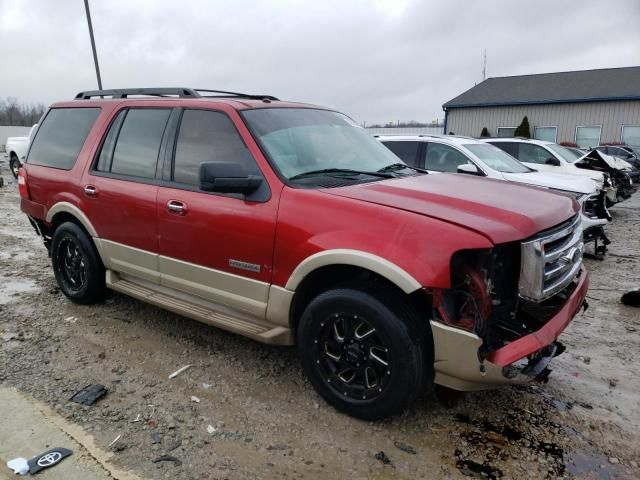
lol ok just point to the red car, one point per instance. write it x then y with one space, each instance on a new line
288 223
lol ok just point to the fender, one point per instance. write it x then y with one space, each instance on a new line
383 267
280 299
71 209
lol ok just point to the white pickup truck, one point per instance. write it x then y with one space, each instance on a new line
16 150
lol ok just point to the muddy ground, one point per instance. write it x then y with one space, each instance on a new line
257 416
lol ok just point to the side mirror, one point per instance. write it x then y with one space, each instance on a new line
552 161
469 168
227 177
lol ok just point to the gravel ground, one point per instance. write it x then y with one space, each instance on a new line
244 410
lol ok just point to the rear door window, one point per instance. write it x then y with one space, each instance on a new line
60 137
406 151
137 135
510 147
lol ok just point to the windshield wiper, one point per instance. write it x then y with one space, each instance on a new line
401 166
340 170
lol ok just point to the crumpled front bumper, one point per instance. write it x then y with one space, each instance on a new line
456 361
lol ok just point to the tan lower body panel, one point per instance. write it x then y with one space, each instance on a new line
456 361
129 260
197 308
234 291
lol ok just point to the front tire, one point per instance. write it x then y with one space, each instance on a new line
14 165
76 265
363 352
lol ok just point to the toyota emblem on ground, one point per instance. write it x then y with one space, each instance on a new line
48 459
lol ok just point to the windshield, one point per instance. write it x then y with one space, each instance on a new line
496 158
566 154
301 140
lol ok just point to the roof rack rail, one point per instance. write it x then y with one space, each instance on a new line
180 92
235 94
125 92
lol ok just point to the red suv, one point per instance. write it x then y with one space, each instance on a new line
288 223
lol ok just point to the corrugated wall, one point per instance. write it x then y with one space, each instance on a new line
610 115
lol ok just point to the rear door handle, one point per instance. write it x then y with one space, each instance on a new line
176 207
90 191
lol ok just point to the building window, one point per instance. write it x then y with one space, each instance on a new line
506 131
548 134
588 137
631 135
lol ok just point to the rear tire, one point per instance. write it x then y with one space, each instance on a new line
363 352
14 165
77 265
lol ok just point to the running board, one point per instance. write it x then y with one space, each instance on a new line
198 309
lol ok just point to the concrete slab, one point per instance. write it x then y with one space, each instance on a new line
28 428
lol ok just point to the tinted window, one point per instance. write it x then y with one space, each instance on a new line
618 152
207 136
510 147
106 153
532 153
138 144
443 158
60 138
406 151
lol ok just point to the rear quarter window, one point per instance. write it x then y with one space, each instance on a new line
61 136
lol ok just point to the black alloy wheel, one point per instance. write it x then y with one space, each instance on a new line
352 356
365 351
76 264
72 265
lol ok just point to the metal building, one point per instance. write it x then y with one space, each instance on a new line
588 107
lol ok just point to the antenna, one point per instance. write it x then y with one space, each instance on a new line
484 66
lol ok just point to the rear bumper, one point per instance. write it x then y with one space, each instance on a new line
456 361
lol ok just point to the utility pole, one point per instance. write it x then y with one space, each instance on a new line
93 43
484 65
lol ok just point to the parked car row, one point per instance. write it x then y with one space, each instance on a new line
530 162
289 224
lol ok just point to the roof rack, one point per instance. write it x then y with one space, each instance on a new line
180 92
235 94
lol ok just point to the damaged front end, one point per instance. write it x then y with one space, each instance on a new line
623 178
500 320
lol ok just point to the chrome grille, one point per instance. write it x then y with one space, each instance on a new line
551 261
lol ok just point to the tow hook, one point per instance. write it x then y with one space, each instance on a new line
585 305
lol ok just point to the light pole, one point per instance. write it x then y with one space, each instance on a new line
93 43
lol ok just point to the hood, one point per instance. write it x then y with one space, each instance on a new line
569 183
595 159
501 211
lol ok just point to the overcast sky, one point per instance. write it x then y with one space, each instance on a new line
377 60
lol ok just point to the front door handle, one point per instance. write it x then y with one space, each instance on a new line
90 191
176 207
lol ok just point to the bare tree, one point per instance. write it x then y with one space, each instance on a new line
14 113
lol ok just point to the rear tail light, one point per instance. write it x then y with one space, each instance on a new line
23 187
